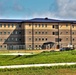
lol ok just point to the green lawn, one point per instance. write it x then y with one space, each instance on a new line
57 70
45 57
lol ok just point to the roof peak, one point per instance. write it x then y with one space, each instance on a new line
46 18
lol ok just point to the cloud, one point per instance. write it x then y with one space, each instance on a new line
17 7
66 9
63 9
43 15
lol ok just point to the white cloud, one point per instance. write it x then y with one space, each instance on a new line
43 15
67 9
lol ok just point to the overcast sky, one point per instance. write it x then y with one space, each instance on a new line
25 9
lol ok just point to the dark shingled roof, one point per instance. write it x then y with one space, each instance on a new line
45 20
11 20
42 20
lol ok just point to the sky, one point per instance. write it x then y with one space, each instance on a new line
27 9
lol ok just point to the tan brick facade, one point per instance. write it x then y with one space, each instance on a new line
37 35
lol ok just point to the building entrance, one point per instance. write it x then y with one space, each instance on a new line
47 45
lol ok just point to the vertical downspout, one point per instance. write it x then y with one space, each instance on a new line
70 34
58 35
32 37
24 34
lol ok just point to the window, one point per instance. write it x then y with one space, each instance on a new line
66 32
12 38
53 33
12 25
73 39
16 39
39 32
60 39
66 25
4 25
57 39
66 39
39 45
19 39
52 26
39 25
4 39
4 46
8 39
42 39
42 25
19 32
19 25
16 32
56 33
29 38
42 32
55 26
0 33
29 46
29 25
72 26
0 25
46 39
45 25
8 25
35 45
39 39
35 32
45 32
8 32
60 32
35 39
0 39
35 25
29 32
4 33
72 32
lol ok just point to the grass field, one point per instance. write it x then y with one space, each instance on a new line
44 57
57 70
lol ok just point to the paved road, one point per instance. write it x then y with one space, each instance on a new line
35 65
